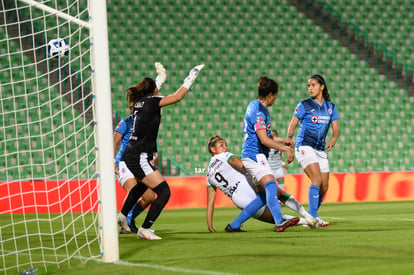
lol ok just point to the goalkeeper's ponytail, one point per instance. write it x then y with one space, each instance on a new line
137 92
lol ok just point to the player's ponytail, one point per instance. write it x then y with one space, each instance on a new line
138 91
267 86
321 81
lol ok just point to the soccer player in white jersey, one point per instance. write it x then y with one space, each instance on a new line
277 163
226 172
315 114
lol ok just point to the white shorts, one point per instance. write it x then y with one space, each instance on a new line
124 173
307 155
278 173
257 169
245 195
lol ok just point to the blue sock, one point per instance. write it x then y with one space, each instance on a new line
272 201
134 212
313 197
247 212
320 199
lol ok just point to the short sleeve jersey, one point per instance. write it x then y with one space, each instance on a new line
147 118
222 175
314 120
124 127
257 117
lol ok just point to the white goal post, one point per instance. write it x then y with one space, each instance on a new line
57 180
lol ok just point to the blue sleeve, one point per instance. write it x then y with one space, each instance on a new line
299 111
121 127
335 115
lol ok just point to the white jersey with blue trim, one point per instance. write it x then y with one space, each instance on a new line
124 127
257 117
314 120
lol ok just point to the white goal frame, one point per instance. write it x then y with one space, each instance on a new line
101 85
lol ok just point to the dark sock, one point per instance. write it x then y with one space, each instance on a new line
163 195
132 197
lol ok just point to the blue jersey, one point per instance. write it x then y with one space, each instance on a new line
124 127
315 120
257 117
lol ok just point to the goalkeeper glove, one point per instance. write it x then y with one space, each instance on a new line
162 75
189 80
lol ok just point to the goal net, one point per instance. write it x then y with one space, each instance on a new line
50 149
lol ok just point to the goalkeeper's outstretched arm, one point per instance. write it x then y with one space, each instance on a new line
182 91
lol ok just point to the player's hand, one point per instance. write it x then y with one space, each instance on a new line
161 75
189 80
289 142
116 169
330 145
290 155
212 230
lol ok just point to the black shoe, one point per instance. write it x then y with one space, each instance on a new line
228 229
286 223
133 228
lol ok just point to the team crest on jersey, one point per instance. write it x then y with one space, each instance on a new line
260 123
314 119
330 111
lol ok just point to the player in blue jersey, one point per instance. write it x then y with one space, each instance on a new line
315 114
125 177
257 143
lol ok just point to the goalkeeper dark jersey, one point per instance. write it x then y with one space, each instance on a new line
147 118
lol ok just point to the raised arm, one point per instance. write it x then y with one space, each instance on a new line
182 91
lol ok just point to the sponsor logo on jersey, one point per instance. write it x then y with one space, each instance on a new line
320 119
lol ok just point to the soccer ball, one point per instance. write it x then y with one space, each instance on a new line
57 47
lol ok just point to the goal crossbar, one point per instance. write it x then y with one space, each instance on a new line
57 13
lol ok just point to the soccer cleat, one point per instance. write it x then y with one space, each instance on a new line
322 223
122 231
147 233
311 221
229 229
122 221
285 224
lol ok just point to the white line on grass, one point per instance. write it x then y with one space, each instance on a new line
173 269
152 266
369 218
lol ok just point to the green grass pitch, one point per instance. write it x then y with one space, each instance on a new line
363 238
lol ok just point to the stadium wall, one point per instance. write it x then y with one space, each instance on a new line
190 192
